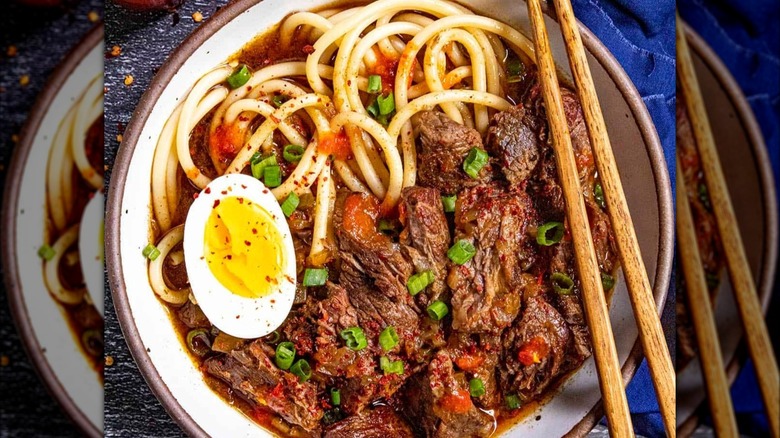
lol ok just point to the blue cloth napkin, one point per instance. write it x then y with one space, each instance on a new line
746 37
641 36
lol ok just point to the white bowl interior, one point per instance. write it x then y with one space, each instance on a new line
166 353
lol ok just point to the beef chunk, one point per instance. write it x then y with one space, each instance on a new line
478 355
251 373
192 316
426 236
544 189
487 289
444 145
514 143
380 422
439 403
535 349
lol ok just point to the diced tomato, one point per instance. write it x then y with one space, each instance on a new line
459 402
533 351
225 141
469 362
336 145
361 212
386 68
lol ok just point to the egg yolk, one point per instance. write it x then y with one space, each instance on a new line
243 248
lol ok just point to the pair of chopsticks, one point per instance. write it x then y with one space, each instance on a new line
759 344
650 330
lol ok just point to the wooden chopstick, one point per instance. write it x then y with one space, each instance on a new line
650 330
745 294
604 352
702 317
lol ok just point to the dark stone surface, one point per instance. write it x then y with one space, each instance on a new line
42 37
146 40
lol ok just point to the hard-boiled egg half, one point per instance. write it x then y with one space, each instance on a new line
240 257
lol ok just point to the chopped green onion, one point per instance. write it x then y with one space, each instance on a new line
549 233
389 366
355 338
418 282
712 280
704 196
258 164
47 253
437 310
512 401
461 252
335 397
475 161
273 337
285 354
373 109
315 277
476 387
272 176
562 283
598 195
448 202
514 67
386 104
239 77
382 120
293 153
388 225
374 84
388 338
607 282
279 100
301 369
198 342
514 79
150 252
290 204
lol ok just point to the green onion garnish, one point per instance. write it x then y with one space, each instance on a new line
712 280
598 195
293 153
198 342
373 109
258 164
285 354
47 253
387 225
301 369
512 401
273 337
461 252
335 397
549 233
388 338
239 77
448 202
382 120
272 176
150 252
607 281
437 310
418 282
386 104
514 67
279 100
389 366
562 283
704 196
315 277
475 161
374 84
476 387
290 204
355 338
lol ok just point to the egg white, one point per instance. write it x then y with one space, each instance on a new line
233 314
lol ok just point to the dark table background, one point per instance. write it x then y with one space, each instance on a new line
42 38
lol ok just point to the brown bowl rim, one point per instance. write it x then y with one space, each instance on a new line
177 58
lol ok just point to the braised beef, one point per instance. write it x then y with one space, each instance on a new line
514 143
251 372
380 422
444 145
487 289
478 355
192 316
535 349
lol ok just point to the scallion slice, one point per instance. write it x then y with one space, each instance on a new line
374 84
279 100
335 397
461 252
389 366
598 195
315 277
562 283
448 202
418 282
476 387
272 176
290 204
239 77
549 233
475 161
373 109
198 342
150 252
285 355
607 282
704 196
388 338
258 164
386 104
512 401
437 310
293 153
47 253
388 225
301 369
355 338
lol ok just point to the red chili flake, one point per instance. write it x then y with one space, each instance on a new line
224 192
207 190
195 195
267 279
240 200
254 230
216 203
275 119
265 191
238 316
229 257
247 243
273 301
308 49
243 186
